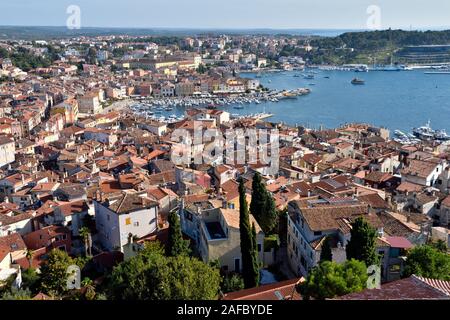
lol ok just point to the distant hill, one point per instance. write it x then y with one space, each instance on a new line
44 33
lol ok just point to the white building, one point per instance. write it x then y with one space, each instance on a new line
7 150
128 213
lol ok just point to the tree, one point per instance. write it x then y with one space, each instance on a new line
31 280
262 206
89 289
153 276
258 197
250 271
440 245
176 244
325 253
29 256
54 272
85 233
330 279
232 283
362 244
428 262
16 294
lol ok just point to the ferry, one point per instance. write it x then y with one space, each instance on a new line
358 81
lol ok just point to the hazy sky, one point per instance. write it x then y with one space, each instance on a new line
331 14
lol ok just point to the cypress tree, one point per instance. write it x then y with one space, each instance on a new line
258 197
176 244
263 206
250 274
325 253
254 252
362 244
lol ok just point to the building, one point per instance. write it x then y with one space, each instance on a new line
220 239
311 221
7 150
119 216
89 103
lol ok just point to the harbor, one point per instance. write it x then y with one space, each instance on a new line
171 109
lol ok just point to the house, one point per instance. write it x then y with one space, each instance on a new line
12 248
312 220
310 161
13 220
220 239
444 212
7 150
166 198
51 237
89 103
223 173
392 250
13 183
127 213
155 127
14 244
69 214
424 173
344 150
412 288
70 192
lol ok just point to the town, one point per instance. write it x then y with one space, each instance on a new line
88 182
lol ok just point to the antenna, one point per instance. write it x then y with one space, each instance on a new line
279 295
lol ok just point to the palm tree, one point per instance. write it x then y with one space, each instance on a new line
85 233
29 256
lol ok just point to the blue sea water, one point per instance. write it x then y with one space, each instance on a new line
396 100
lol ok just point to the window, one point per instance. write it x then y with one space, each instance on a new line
394 268
136 224
108 217
259 247
237 265
127 221
64 236
317 233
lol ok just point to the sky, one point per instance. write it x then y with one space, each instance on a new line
231 14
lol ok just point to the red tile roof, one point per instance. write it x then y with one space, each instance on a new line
267 292
412 288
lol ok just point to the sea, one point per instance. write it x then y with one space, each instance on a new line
399 100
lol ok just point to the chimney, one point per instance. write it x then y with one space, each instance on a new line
381 232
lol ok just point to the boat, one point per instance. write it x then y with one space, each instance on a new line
358 81
238 107
425 132
327 77
308 76
362 68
